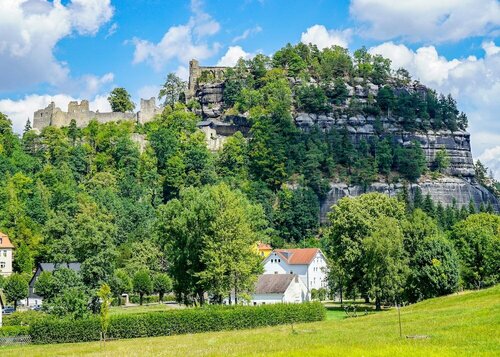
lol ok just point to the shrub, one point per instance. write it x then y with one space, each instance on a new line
135 299
10 331
165 323
52 330
23 318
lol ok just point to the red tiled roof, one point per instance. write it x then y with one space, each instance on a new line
264 246
298 256
5 241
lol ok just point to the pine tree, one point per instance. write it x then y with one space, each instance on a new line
418 200
27 127
428 206
472 207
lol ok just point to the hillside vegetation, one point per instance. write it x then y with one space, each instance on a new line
456 325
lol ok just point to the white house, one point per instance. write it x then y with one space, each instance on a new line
6 255
308 263
279 288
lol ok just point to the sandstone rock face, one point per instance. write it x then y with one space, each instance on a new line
457 144
210 97
443 190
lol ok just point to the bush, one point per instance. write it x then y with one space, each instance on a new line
23 318
52 330
135 299
165 323
11 331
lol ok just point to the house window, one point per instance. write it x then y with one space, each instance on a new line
1 239
2 264
291 272
4 253
279 260
272 260
254 303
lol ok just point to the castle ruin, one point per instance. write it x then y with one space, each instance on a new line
196 71
81 113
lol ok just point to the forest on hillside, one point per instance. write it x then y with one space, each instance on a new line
91 195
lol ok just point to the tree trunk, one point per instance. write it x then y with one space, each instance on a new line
201 297
161 298
378 306
367 299
341 296
140 298
15 305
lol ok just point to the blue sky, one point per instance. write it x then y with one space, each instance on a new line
75 49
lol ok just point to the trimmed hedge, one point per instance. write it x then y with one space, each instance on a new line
10 331
166 323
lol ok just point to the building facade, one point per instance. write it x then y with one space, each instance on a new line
279 288
6 255
308 263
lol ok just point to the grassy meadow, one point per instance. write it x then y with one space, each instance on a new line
465 324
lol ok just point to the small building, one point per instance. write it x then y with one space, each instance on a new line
308 263
279 288
263 250
33 298
6 255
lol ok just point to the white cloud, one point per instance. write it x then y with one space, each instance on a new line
182 72
183 42
149 91
20 110
112 30
87 16
247 32
474 82
233 54
491 159
426 20
318 35
29 32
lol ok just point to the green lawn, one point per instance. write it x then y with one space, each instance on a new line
466 324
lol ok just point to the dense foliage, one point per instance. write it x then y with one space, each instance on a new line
392 251
134 202
176 322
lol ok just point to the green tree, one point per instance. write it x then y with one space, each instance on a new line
72 302
104 295
142 283
385 262
434 269
16 288
120 101
351 221
162 284
477 240
442 160
121 283
23 259
410 161
208 235
172 89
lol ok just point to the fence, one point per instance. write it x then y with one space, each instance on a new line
15 340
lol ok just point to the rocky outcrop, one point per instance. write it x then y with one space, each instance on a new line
456 144
445 190
210 98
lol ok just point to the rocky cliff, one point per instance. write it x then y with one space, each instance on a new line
444 190
458 183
